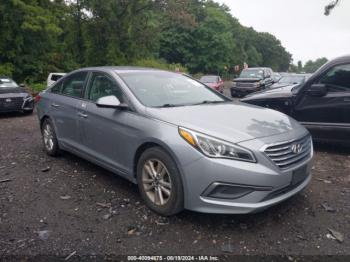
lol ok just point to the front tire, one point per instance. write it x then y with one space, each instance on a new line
49 138
159 182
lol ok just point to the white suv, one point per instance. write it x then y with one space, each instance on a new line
53 77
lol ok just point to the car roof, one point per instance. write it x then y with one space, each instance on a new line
257 68
121 69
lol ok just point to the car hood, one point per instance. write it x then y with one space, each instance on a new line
11 90
273 92
247 80
235 122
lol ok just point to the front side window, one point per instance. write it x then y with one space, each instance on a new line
74 84
164 89
102 85
337 79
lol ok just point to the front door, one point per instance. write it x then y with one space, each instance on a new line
328 117
104 131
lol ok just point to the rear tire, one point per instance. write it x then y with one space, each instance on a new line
159 182
49 138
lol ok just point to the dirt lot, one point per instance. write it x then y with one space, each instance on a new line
56 206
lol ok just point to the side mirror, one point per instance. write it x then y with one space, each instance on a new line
110 102
317 90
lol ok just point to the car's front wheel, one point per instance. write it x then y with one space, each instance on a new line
159 182
49 138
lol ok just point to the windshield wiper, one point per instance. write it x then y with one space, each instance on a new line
168 105
209 102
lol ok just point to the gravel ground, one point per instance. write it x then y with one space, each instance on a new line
57 206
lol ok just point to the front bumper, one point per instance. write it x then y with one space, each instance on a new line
242 92
17 104
267 184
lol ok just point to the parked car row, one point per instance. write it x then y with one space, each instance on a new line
186 145
320 102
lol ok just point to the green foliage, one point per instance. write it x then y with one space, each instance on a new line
37 87
6 69
312 66
159 64
42 36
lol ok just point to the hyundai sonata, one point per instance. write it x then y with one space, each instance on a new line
184 144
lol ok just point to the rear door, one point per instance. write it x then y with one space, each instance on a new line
328 117
63 107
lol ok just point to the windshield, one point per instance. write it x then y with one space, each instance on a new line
252 73
7 83
209 79
165 89
292 80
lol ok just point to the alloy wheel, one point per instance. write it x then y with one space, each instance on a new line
156 182
48 137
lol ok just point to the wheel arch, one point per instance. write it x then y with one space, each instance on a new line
155 143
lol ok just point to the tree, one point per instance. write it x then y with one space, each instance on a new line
42 36
312 66
300 66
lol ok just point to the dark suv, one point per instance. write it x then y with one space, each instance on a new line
251 80
322 103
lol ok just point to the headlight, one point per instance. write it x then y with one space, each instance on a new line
213 147
257 84
28 97
234 84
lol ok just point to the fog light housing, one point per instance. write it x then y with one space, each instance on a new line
229 192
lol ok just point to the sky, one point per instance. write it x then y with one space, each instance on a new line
300 25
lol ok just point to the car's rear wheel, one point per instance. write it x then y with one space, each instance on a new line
49 138
159 182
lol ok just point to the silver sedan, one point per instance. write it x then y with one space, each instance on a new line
185 145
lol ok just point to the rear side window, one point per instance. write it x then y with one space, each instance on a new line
337 79
74 85
56 88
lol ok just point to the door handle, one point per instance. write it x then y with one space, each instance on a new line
55 105
82 115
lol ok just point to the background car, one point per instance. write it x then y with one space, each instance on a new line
251 80
322 103
53 77
214 82
174 137
14 98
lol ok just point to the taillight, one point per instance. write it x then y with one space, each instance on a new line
37 98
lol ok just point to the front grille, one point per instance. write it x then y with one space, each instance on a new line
288 154
15 104
245 84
